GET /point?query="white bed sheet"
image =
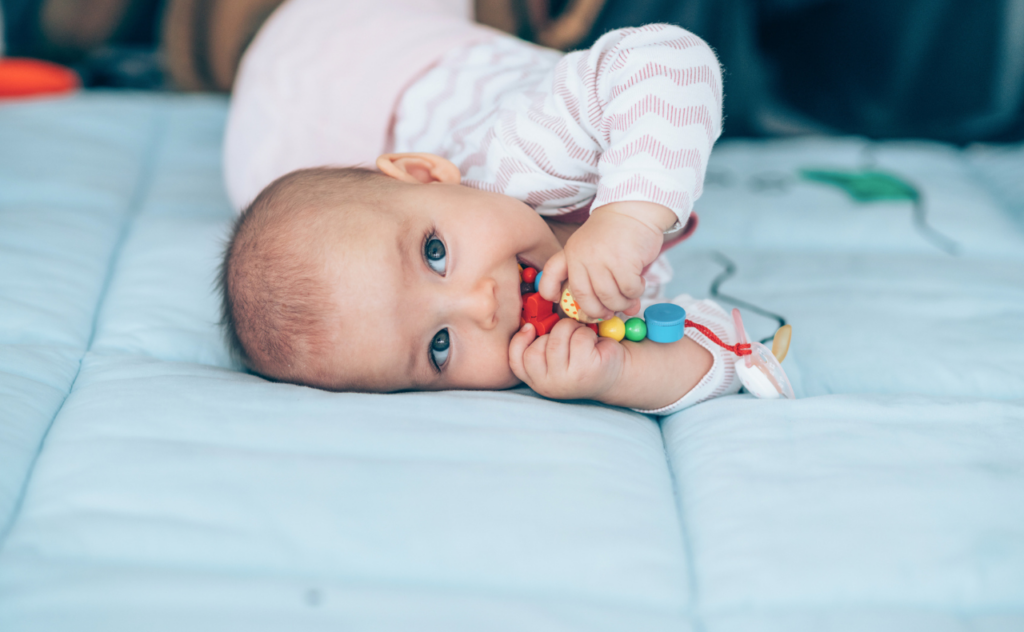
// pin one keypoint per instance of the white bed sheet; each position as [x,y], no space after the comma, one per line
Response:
[146,483]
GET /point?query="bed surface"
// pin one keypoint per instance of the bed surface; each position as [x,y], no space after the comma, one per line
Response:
[147,484]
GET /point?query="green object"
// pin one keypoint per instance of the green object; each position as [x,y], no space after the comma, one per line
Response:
[865,186]
[636,329]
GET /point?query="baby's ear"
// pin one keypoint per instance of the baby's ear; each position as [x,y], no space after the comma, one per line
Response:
[419,168]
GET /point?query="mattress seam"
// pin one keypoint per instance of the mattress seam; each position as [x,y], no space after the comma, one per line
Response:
[691,572]
[140,192]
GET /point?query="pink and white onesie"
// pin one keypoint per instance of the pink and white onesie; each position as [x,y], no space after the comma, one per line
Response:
[632,118]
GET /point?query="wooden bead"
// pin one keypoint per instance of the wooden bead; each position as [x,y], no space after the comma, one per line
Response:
[529,275]
[665,322]
[612,328]
[636,329]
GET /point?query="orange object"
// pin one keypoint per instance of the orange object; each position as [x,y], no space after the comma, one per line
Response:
[536,306]
[547,324]
[538,312]
[21,77]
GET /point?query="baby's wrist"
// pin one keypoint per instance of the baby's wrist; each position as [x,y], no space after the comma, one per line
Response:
[655,216]
[621,391]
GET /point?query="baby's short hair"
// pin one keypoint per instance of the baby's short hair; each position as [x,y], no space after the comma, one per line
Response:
[274,305]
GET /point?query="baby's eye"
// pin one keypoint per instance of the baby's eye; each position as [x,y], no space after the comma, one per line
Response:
[439,348]
[435,252]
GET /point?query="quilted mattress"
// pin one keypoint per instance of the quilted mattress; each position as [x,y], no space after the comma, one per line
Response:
[147,483]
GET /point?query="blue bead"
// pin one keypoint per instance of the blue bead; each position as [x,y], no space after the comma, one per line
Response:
[665,322]
[536,282]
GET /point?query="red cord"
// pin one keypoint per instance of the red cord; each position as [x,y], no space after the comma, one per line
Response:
[740,348]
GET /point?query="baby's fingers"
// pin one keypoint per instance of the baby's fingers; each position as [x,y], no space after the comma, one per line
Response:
[517,350]
[583,293]
[609,292]
[632,286]
[557,351]
[630,283]
[555,272]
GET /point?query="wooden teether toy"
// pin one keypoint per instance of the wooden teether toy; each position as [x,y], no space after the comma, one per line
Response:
[759,369]
[572,308]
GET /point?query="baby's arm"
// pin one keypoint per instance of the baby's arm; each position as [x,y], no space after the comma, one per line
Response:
[573,363]
[605,258]
[649,99]
[655,376]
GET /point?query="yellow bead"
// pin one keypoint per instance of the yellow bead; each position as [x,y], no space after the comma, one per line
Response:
[612,328]
[780,345]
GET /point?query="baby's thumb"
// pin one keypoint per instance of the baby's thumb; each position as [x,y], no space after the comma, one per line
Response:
[517,348]
[555,272]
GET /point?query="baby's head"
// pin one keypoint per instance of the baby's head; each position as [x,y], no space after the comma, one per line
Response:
[358,280]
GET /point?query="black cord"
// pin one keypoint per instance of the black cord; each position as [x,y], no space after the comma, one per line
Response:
[725,275]
[869,162]
[938,240]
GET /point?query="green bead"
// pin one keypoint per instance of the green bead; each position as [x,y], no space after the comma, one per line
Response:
[636,329]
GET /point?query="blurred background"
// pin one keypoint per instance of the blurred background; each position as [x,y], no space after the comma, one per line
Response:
[949,70]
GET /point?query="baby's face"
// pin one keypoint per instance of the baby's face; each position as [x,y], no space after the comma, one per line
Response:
[428,290]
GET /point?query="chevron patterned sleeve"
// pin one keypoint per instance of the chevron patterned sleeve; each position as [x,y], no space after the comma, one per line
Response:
[650,98]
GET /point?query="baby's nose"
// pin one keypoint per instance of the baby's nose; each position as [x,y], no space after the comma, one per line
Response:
[480,304]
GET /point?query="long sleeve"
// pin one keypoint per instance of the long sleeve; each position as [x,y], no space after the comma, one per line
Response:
[632,118]
[651,98]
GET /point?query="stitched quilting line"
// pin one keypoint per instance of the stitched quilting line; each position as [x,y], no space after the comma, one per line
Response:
[693,609]
[140,192]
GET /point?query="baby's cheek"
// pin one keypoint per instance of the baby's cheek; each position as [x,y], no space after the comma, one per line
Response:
[500,371]
[488,369]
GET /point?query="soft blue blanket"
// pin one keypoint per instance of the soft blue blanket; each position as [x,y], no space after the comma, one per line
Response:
[145,484]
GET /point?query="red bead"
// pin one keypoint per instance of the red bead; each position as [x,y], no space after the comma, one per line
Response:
[529,274]
[593,326]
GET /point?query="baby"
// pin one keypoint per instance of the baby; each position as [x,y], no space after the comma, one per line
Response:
[499,154]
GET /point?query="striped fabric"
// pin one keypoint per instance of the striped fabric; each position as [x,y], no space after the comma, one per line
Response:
[632,118]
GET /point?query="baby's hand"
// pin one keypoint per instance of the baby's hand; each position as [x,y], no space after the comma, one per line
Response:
[569,363]
[605,257]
